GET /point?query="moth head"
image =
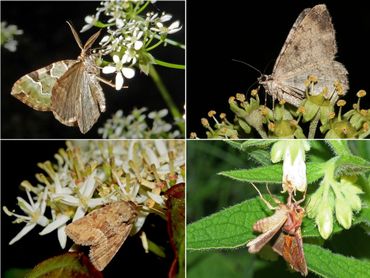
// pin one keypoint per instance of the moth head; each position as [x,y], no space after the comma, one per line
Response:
[264,78]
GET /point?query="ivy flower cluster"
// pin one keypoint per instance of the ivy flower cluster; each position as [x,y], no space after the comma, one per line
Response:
[286,121]
[131,35]
[88,174]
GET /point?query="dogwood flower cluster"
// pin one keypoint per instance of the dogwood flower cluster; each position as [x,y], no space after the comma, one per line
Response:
[88,174]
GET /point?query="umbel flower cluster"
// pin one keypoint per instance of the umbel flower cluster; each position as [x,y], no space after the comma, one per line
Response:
[88,174]
[251,118]
[131,36]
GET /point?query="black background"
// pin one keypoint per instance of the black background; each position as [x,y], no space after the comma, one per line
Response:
[254,32]
[47,39]
[19,162]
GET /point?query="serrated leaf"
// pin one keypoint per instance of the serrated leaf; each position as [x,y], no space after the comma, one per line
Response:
[232,227]
[351,165]
[272,173]
[261,156]
[327,264]
[229,228]
[66,265]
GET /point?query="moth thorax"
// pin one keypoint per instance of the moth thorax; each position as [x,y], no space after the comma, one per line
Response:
[90,64]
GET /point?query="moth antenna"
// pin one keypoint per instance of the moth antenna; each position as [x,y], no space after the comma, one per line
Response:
[276,200]
[75,35]
[263,199]
[249,65]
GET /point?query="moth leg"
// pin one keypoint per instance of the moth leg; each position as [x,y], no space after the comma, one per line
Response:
[276,200]
[108,82]
[263,199]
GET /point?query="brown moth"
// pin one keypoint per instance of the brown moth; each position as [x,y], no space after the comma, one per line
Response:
[309,49]
[104,230]
[285,226]
[68,88]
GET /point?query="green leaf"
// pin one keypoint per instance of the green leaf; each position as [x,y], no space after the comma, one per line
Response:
[340,147]
[261,156]
[327,264]
[351,165]
[66,265]
[272,173]
[229,228]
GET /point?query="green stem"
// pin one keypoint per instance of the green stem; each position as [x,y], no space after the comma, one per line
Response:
[169,41]
[313,126]
[169,65]
[166,97]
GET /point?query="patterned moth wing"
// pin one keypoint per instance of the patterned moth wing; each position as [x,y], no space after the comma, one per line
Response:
[34,89]
[68,88]
[104,230]
[309,49]
[289,243]
[268,226]
[77,97]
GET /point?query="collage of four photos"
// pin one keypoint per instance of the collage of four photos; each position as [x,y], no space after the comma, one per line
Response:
[168,139]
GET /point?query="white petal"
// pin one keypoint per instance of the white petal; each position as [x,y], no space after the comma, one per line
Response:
[62,237]
[89,19]
[109,69]
[158,199]
[166,17]
[88,188]
[174,25]
[116,59]
[61,220]
[128,72]
[138,45]
[104,39]
[119,81]
[23,232]
[80,212]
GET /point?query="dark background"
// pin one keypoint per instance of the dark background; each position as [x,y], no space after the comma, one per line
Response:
[47,39]
[19,162]
[254,32]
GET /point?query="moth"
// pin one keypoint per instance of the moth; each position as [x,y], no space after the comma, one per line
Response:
[309,49]
[283,228]
[104,230]
[68,88]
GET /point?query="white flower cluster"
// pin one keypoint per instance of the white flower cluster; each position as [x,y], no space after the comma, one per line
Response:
[139,125]
[130,35]
[89,174]
[7,36]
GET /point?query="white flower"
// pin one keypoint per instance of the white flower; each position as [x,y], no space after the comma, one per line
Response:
[35,213]
[294,165]
[173,28]
[121,71]
[90,20]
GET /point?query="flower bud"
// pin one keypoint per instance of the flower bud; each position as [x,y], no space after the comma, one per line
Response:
[324,220]
[343,212]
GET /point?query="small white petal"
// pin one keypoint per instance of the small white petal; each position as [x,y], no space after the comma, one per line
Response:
[62,237]
[104,39]
[80,212]
[138,45]
[156,198]
[61,220]
[109,69]
[116,59]
[23,232]
[166,17]
[89,19]
[119,81]
[128,72]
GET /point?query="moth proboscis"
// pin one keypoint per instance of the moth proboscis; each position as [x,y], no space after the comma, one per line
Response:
[105,230]
[68,88]
[285,226]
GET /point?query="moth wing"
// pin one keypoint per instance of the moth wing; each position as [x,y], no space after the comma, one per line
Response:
[34,89]
[293,252]
[255,245]
[90,99]
[310,49]
[103,252]
[66,94]
[265,224]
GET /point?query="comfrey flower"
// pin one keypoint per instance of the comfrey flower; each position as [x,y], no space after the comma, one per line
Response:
[131,36]
[292,152]
[89,174]
[339,196]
